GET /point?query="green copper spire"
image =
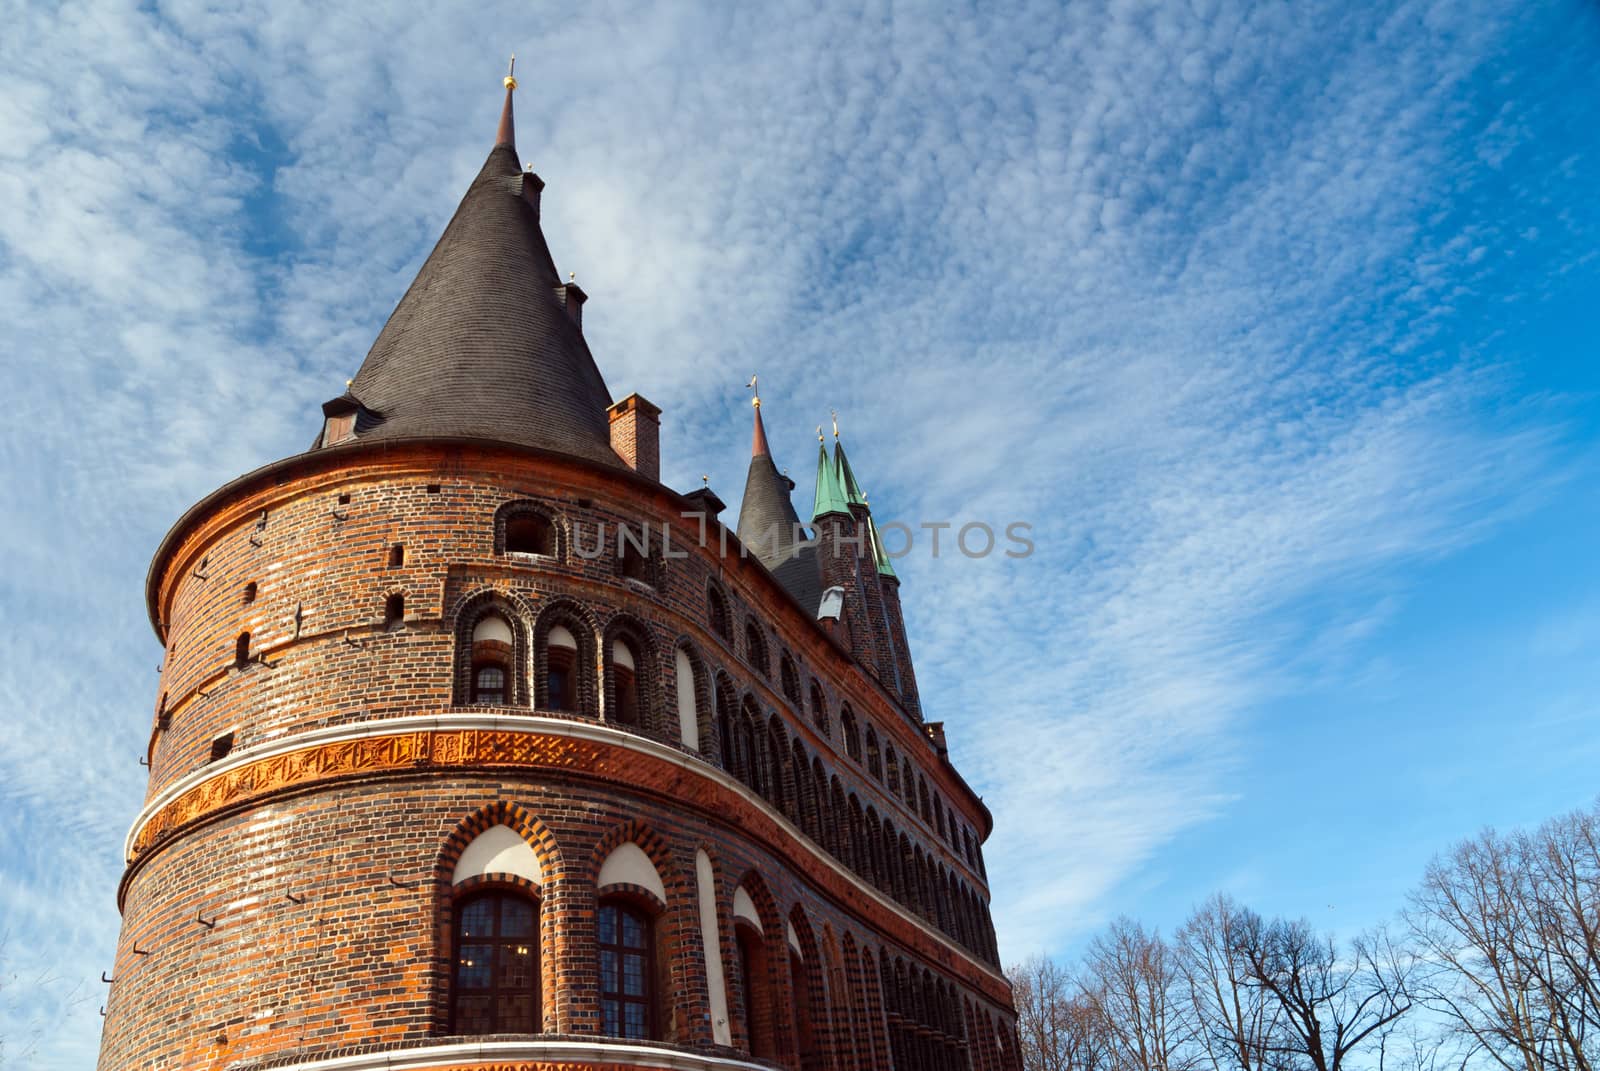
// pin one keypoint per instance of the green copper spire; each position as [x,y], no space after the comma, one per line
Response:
[830,496]
[847,479]
[884,567]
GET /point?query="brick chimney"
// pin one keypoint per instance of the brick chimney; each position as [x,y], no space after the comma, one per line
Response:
[636,432]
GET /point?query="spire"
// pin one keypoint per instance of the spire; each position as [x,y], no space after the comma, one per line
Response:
[847,478]
[885,567]
[481,345]
[758,438]
[507,134]
[830,496]
[768,526]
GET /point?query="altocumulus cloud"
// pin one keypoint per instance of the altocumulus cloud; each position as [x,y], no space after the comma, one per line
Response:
[1175,283]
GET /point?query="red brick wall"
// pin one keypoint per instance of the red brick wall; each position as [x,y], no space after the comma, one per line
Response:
[363,960]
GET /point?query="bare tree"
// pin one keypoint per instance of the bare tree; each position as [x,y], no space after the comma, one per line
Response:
[1326,1007]
[1059,1030]
[1509,927]
[1233,1018]
[1133,984]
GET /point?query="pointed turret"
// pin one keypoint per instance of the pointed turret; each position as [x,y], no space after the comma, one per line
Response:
[885,567]
[769,528]
[507,133]
[483,345]
[768,524]
[830,497]
[846,478]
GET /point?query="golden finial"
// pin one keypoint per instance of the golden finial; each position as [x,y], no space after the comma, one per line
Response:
[752,385]
[835,413]
[572,276]
[705,480]
[349,383]
[511,73]
[819,433]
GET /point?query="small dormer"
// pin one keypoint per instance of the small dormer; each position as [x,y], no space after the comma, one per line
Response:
[572,299]
[342,418]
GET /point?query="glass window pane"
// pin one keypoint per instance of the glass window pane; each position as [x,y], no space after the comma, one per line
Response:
[477,919]
[608,925]
[608,972]
[474,1015]
[632,930]
[610,1012]
[633,976]
[516,967]
[517,1015]
[473,970]
[516,917]
[637,1021]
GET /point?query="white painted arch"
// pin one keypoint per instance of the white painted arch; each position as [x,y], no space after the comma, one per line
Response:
[498,850]
[745,908]
[493,627]
[627,864]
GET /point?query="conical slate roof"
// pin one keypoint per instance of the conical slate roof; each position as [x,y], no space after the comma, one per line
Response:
[767,520]
[481,345]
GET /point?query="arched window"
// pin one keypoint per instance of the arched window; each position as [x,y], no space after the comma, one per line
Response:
[908,781]
[819,711]
[526,528]
[790,678]
[755,977]
[805,1039]
[755,647]
[852,735]
[496,988]
[633,548]
[624,685]
[530,533]
[561,669]
[752,745]
[627,970]
[717,613]
[686,672]
[727,729]
[922,795]
[492,644]
[892,767]
[874,759]
[250,593]
[241,651]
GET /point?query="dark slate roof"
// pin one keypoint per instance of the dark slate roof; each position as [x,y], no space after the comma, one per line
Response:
[480,346]
[767,507]
[801,576]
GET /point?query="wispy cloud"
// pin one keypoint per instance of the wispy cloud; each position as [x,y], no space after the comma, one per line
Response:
[1182,285]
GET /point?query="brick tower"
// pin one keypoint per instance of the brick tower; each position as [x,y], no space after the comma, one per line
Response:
[479,747]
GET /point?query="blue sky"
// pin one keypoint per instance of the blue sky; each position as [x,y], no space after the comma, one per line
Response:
[1273,320]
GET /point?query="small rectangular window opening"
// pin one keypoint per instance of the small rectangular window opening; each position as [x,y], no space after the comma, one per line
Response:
[397,556]
[221,746]
[433,489]
[344,499]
